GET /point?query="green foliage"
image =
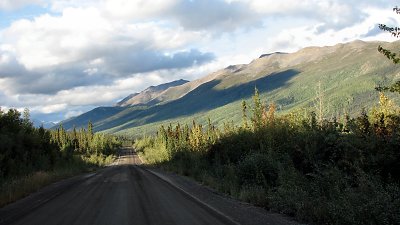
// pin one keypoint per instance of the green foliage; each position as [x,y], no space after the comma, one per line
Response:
[392,88]
[337,171]
[389,54]
[33,157]
[84,142]
[15,188]
[152,150]
[257,110]
[244,115]
[24,148]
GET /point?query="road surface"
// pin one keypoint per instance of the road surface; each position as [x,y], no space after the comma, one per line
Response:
[124,193]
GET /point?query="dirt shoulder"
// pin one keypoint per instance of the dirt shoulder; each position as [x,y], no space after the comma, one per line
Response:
[240,212]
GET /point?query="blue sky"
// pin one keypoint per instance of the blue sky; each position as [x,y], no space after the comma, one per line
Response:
[28,12]
[63,57]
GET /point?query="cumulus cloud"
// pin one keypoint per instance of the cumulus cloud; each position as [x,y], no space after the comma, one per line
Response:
[14,4]
[216,14]
[82,48]
[220,15]
[53,79]
[330,14]
[87,53]
[77,100]
[138,9]
[9,66]
[130,61]
[79,34]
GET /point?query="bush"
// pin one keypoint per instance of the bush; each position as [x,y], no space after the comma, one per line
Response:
[257,169]
[323,172]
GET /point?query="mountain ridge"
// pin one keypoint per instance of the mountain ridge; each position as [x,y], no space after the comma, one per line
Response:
[348,71]
[149,94]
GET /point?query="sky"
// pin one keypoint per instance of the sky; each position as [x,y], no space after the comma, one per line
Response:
[61,58]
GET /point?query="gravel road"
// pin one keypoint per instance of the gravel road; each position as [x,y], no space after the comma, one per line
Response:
[124,193]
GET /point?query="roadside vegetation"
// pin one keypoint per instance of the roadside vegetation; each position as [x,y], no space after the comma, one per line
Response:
[342,169]
[31,158]
[324,171]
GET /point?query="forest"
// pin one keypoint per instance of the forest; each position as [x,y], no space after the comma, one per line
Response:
[319,170]
[32,157]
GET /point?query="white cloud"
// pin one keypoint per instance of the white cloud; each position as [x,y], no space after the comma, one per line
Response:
[61,5]
[137,9]
[53,108]
[84,34]
[14,4]
[88,53]
[80,99]
[57,39]
[300,37]
[81,47]
[191,15]
[82,96]
[330,14]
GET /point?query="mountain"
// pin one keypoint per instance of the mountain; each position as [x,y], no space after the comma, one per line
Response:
[46,125]
[125,100]
[347,73]
[149,95]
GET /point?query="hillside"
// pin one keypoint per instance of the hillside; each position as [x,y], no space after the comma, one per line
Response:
[150,95]
[347,72]
[146,97]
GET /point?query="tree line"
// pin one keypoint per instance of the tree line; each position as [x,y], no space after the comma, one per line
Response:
[84,141]
[25,148]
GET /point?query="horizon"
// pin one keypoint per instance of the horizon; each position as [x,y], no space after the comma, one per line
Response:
[50,64]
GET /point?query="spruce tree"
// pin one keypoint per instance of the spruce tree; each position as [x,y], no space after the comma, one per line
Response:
[244,115]
[26,117]
[257,110]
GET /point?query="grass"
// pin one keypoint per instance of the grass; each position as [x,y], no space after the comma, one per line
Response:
[14,189]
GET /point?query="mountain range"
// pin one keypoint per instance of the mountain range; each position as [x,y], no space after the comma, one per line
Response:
[345,75]
[150,96]
[44,124]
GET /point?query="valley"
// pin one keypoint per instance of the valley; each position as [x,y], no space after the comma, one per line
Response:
[347,74]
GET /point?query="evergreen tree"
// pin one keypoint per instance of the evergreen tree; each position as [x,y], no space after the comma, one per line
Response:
[75,142]
[257,110]
[90,131]
[244,115]
[26,117]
